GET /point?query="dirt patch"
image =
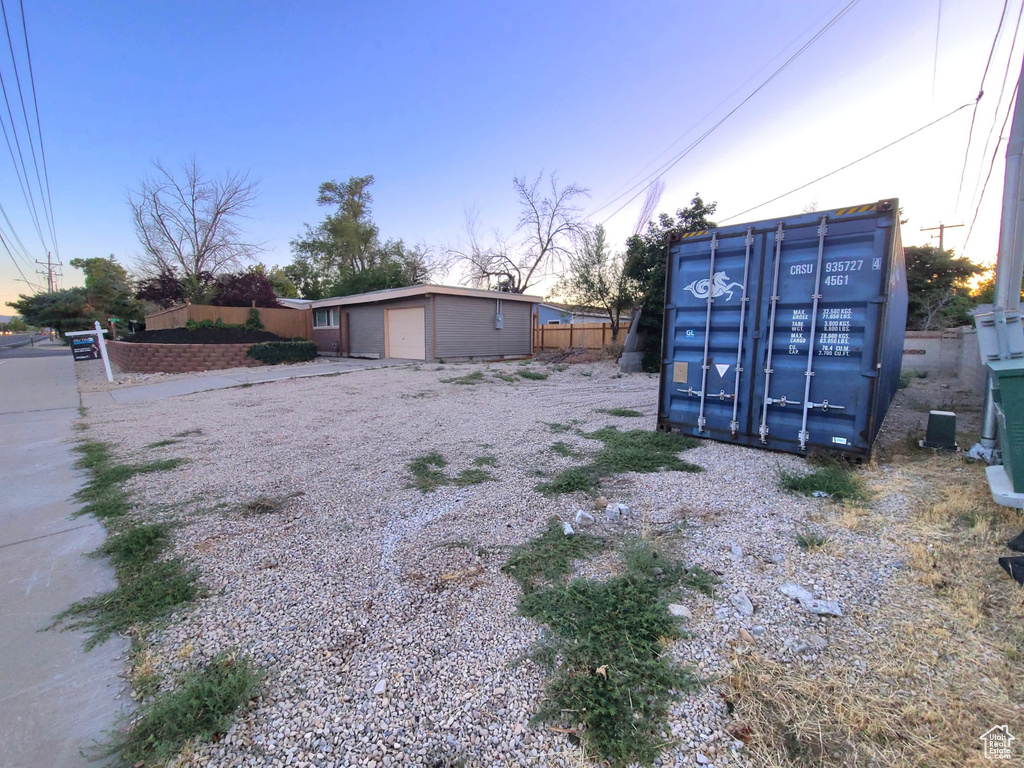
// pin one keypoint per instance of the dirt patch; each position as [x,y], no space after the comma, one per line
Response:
[202,336]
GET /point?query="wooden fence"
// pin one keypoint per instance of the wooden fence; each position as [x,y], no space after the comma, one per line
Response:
[289,323]
[572,336]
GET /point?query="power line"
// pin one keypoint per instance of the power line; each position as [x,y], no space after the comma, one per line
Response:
[666,167]
[39,131]
[28,129]
[981,90]
[713,109]
[848,165]
[999,101]
[995,154]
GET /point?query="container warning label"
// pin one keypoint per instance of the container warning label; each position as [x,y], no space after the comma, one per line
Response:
[679,372]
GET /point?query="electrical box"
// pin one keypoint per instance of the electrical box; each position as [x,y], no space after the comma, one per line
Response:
[499,321]
[1008,397]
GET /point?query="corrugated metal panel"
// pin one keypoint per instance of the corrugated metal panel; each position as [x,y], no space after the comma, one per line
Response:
[786,334]
[466,327]
[366,331]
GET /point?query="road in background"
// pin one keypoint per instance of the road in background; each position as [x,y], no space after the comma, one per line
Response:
[55,699]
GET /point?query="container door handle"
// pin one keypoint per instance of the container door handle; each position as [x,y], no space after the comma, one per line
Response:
[707,331]
[780,235]
[734,425]
[815,298]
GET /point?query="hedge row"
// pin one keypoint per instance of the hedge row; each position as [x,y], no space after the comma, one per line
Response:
[275,352]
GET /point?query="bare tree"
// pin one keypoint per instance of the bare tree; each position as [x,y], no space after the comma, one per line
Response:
[654,192]
[189,225]
[550,225]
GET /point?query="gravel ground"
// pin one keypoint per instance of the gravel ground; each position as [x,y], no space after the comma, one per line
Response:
[389,632]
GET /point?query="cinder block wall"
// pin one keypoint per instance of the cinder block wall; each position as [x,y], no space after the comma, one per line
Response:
[179,358]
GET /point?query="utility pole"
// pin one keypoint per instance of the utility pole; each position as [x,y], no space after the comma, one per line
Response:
[942,229]
[50,267]
[1010,262]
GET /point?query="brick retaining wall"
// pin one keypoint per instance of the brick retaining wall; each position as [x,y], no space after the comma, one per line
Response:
[179,358]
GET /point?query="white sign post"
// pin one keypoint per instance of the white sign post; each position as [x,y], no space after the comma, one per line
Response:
[103,350]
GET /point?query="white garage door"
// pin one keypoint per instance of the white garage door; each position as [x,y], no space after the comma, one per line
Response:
[406,336]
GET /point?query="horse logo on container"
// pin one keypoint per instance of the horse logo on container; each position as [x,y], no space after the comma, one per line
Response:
[717,285]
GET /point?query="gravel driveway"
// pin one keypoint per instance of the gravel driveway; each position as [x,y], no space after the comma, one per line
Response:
[389,632]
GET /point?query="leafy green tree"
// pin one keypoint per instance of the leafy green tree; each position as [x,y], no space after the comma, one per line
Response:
[344,250]
[108,290]
[61,310]
[938,283]
[596,278]
[16,325]
[646,255]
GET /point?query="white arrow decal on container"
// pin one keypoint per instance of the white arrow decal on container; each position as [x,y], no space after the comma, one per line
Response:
[722,369]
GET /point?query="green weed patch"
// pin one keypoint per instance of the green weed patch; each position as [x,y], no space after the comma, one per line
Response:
[469,379]
[428,473]
[533,375]
[619,412]
[569,481]
[200,707]
[838,480]
[605,645]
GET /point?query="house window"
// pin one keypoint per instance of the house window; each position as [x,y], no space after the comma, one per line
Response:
[325,318]
[554,322]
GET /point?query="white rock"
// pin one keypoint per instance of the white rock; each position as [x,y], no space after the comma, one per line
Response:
[581,515]
[742,603]
[796,592]
[702,758]
[380,687]
[679,611]
[822,607]
[736,551]
[567,529]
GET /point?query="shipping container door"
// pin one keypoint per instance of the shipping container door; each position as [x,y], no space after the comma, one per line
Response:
[821,302]
[707,378]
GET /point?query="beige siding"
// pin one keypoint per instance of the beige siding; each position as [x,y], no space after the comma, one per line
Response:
[465,327]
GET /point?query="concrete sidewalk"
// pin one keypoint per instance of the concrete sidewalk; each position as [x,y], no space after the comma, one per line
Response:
[55,699]
[189,385]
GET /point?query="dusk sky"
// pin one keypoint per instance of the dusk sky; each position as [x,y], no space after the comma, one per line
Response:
[445,102]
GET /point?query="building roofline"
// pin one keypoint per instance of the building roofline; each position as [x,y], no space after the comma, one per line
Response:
[390,294]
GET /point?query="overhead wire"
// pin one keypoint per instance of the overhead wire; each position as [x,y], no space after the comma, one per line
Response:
[39,132]
[977,100]
[28,129]
[713,110]
[667,166]
[848,165]
[992,165]
[999,101]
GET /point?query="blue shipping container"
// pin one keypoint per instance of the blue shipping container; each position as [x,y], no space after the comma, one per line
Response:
[788,333]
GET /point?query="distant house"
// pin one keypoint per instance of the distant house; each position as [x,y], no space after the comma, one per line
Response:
[549,313]
[425,322]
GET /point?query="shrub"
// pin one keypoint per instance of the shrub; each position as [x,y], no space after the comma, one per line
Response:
[254,323]
[276,352]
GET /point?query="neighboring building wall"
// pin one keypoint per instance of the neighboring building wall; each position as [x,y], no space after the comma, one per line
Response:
[179,358]
[950,354]
[327,340]
[465,327]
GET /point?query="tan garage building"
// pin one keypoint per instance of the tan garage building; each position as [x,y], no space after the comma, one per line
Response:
[425,322]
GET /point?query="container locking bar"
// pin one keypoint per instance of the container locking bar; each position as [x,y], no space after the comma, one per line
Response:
[815,298]
[782,402]
[780,235]
[707,332]
[734,425]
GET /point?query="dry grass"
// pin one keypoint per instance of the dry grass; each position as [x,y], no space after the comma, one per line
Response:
[944,664]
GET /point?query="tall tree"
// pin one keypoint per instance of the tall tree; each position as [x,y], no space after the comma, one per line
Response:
[189,224]
[61,310]
[596,278]
[108,290]
[938,283]
[550,227]
[343,254]
[646,255]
